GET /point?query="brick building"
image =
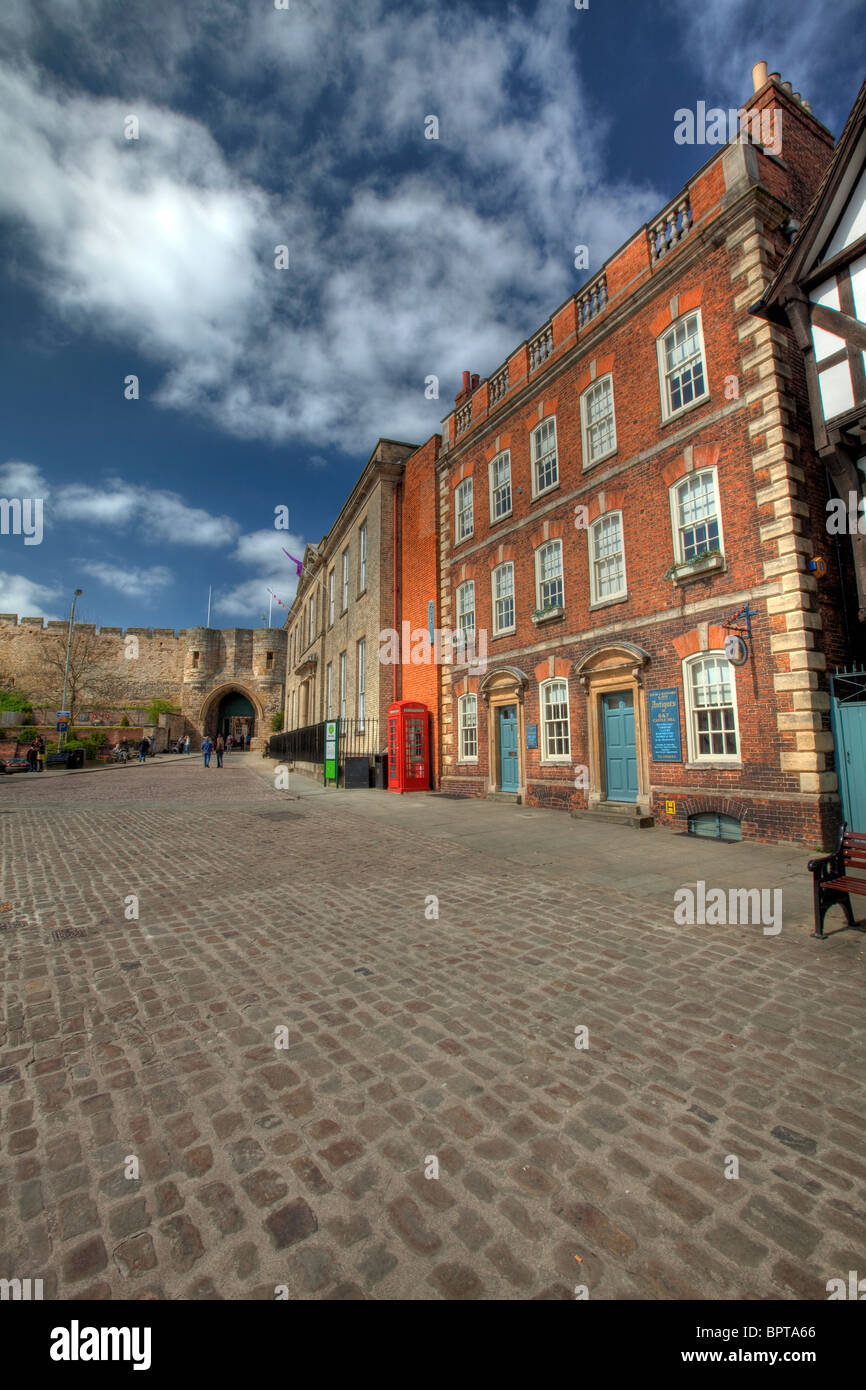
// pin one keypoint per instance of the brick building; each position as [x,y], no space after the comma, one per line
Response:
[374,571]
[614,496]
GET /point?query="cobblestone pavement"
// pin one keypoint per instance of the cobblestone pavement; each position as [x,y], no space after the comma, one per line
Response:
[410,1038]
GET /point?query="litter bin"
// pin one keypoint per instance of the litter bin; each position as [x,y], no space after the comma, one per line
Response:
[380,771]
[75,758]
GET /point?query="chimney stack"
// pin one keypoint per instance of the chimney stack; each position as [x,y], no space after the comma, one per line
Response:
[465,381]
[759,76]
[475,381]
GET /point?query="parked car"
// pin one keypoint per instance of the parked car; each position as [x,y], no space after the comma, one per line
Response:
[11,765]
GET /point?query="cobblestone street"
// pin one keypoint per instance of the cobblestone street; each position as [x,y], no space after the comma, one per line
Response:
[410,1038]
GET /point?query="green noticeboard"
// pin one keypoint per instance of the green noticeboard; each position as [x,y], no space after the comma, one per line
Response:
[332,743]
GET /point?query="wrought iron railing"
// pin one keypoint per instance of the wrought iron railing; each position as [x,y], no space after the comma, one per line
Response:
[359,738]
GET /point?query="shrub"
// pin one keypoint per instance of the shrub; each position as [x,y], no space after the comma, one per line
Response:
[14,700]
[277,722]
[124,723]
[158,707]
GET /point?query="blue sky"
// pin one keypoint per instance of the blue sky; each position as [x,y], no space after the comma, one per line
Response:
[408,257]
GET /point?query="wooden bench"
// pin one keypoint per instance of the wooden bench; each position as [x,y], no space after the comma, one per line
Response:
[837,876]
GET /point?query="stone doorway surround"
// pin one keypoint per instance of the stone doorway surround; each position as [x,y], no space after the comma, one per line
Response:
[606,668]
[504,686]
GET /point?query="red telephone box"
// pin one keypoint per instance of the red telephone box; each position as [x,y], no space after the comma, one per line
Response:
[408,747]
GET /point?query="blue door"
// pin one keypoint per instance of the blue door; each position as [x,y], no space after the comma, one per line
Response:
[620,753]
[509,762]
[851,763]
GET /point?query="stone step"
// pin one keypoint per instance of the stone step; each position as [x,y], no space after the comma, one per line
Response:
[626,814]
[510,797]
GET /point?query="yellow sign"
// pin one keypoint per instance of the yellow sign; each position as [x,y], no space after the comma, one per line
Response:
[670,808]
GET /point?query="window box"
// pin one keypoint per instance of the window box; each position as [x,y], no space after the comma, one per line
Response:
[545,615]
[708,563]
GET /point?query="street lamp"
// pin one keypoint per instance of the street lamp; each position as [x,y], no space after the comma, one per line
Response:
[68,655]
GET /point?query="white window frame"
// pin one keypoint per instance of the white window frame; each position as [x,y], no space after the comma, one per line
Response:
[504,457]
[331,591]
[463,490]
[461,642]
[546,756]
[329,689]
[345,580]
[692,709]
[539,603]
[464,704]
[670,412]
[497,599]
[361,695]
[343,683]
[589,458]
[678,528]
[596,529]
[362,563]
[542,428]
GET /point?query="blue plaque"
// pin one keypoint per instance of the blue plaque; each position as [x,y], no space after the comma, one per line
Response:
[532,735]
[664,717]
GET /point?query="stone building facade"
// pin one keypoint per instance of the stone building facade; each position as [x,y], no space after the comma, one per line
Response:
[612,499]
[210,675]
[374,571]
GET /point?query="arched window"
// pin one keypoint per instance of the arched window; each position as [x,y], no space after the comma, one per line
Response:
[503,598]
[606,558]
[711,704]
[549,591]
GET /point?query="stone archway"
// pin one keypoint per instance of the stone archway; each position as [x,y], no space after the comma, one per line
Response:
[231,708]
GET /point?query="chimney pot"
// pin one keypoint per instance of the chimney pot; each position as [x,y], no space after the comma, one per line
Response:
[759,76]
[465,381]
[775,77]
[786,87]
[807,106]
[475,380]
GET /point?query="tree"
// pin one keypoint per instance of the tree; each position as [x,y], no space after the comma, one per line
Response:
[277,722]
[158,707]
[84,666]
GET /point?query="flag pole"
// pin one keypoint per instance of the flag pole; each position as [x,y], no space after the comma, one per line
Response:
[270,606]
[209,587]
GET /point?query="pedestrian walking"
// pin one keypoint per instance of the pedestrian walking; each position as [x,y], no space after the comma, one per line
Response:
[186,744]
[248,743]
[33,755]
[229,742]
[207,749]
[220,749]
[40,753]
[143,746]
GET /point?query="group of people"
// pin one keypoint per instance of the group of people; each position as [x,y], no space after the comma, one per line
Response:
[221,746]
[36,754]
[182,745]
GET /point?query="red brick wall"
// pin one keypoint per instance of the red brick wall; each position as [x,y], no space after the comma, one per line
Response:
[418,576]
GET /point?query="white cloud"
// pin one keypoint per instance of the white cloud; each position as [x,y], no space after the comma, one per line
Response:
[156,513]
[407,257]
[26,598]
[19,479]
[274,574]
[132,583]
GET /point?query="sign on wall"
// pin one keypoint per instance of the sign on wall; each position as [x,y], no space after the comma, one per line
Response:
[332,733]
[664,719]
[532,735]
